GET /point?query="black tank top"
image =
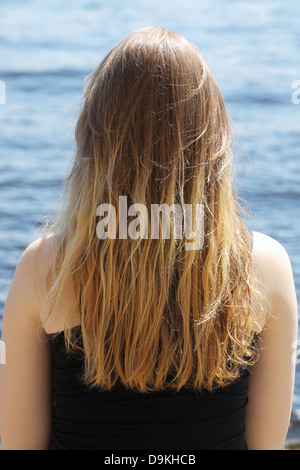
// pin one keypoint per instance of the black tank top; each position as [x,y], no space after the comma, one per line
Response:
[122,419]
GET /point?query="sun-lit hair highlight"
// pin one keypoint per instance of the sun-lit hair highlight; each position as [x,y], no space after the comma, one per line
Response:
[153,126]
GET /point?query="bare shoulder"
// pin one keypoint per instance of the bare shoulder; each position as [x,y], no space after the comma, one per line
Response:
[271,380]
[39,251]
[274,272]
[32,270]
[38,255]
[26,423]
[271,259]
[263,243]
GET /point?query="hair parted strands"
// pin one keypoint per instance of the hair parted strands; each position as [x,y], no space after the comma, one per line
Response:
[154,127]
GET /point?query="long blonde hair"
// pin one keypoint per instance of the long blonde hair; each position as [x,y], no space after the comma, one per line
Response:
[153,126]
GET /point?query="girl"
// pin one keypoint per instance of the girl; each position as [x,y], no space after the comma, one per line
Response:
[138,342]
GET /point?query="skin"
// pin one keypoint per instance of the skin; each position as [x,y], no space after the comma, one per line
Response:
[271,381]
[25,381]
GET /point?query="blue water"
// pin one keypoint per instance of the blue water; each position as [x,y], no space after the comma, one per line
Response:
[46,50]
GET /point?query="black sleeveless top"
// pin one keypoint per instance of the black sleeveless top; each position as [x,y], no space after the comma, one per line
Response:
[90,419]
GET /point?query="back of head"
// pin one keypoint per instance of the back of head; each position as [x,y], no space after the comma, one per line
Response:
[154,128]
[153,112]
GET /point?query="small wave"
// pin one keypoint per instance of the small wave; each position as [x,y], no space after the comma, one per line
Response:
[257,99]
[44,73]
